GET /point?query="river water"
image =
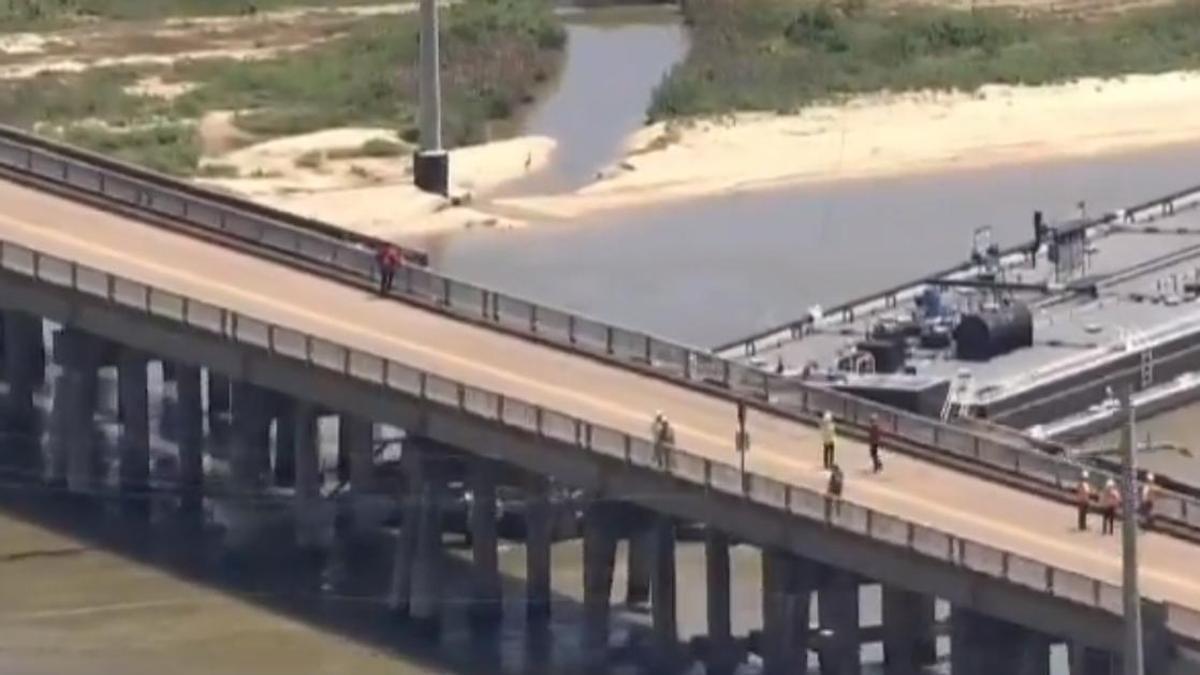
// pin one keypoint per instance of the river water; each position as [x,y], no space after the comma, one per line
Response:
[88,589]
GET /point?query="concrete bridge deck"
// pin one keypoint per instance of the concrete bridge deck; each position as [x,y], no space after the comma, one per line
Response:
[924,493]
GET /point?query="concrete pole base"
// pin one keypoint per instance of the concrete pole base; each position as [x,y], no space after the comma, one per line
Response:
[431,171]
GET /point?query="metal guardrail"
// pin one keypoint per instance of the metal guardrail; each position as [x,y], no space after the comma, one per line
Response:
[95,177]
[618,446]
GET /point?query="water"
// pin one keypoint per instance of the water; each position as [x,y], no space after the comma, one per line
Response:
[716,269]
[1177,427]
[614,59]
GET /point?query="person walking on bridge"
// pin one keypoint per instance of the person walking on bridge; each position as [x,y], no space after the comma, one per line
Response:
[663,436]
[833,492]
[1083,500]
[874,437]
[828,437]
[387,257]
[1146,500]
[1110,500]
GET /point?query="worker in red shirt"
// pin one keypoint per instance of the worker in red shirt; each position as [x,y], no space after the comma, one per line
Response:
[874,437]
[388,259]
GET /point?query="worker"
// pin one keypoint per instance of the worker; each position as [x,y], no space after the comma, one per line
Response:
[828,436]
[834,490]
[388,259]
[874,436]
[1083,499]
[1110,499]
[1146,500]
[663,436]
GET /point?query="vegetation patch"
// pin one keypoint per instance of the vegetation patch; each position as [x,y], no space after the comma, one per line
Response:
[780,55]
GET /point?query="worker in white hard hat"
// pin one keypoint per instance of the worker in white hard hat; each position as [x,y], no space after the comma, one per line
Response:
[828,437]
[1110,500]
[1146,500]
[663,437]
[1083,499]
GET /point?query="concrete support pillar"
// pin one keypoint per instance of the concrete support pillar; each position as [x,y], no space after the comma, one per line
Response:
[425,595]
[134,404]
[24,367]
[73,456]
[599,556]
[303,424]
[356,441]
[837,604]
[909,642]
[220,398]
[283,463]
[251,437]
[982,645]
[639,566]
[662,589]
[787,595]
[539,520]
[189,419]
[400,594]
[486,604]
[1091,661]
[720,631]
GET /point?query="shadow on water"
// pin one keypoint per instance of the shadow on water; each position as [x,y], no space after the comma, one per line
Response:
[341,590]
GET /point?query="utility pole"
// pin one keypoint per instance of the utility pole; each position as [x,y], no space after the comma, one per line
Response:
[431,165]
[1134,661]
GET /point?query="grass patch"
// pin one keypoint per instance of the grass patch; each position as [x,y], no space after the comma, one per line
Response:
[780,55]
[28,14]
[169,148]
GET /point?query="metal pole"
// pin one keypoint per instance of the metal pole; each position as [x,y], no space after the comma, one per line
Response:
[1129,562]
[431,84]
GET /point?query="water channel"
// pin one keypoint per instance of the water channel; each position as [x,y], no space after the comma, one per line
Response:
[86,590]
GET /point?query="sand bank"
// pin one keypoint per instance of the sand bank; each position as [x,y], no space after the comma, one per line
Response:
[887,135]
[324,175]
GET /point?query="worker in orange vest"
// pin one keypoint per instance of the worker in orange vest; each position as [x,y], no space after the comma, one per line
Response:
[1083,500]
[1110,499]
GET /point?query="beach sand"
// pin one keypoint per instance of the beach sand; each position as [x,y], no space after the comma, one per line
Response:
[886,135]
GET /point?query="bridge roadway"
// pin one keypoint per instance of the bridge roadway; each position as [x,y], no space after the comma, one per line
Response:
[925,493]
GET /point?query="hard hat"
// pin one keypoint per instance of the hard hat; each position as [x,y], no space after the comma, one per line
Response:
[1084,474]
[658,413]
[1149,478]
[1110,483]
[828,415]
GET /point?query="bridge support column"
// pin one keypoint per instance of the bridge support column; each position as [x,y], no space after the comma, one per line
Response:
[662,588]
[721,658]
[356,439]
[487,604]
[909,642]
[837,605]
[251,437]
[284,461]
[1091,661]
[73,458]
[24,367]
[220,398]
[788,583]
[189,420]
[303,422]
[599,555]
[639,562]
[982,645]
[425,595]
[400,594]
[539,521]
[134,404]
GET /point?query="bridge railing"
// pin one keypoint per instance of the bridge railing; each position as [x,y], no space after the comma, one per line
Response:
[523,417]
[97,177]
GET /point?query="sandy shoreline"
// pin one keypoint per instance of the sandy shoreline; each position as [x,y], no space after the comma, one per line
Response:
[865,138]
[887,135]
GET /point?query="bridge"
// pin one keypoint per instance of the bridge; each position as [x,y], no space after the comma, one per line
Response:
[129,267]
